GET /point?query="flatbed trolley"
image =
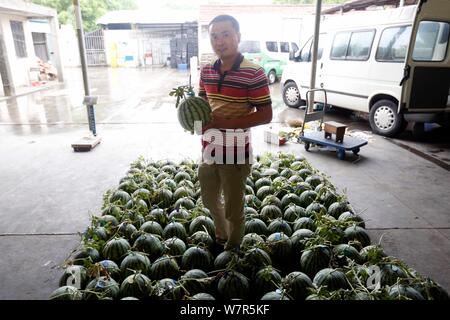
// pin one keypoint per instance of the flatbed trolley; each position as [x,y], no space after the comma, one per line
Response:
[341,143]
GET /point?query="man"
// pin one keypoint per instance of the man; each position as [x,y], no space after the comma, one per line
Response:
[238,93]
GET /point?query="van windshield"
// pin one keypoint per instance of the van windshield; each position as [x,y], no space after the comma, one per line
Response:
[249,47]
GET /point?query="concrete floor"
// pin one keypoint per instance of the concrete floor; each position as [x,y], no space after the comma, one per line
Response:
[48,192]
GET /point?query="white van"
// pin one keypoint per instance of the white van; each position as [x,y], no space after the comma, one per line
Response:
[366,64]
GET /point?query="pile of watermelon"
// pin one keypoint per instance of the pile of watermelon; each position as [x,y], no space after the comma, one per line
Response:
[155,240]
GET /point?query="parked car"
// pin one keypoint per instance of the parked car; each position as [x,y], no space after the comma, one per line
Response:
[272,56]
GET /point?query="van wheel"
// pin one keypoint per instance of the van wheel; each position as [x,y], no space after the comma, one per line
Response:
[291,95]
[384,118]
[272,77]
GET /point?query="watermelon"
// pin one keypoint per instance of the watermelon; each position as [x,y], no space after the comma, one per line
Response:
[142,194]
[255,259]
[332,279]
[315,259]
[250,240]
[201,238]
[252,201]
[179,215]
[263,192]
[271,200]
[403,292]
[126,229]
[152,227]
[224,259]
[119,197]
[185,202]
[343,251]
[107,220]
[175,246]
[136,285]
[255,225]
[250,212]
[265,181]
[202,296]
[271,212]
[86,254]
[295,178]
[110,269]
[163,198]
[279,225]
[355,233]
[164,267]
[314,180]
[149,244]
[390,273]
[307,197]
[183,192]
[134,262]
[194,281]
[304,223]
[338,208]
[128,186]
[297,285]
[275,295]
[290,198]
[66,293]
[168,183]
[301,187]
[180,176]
[175,229]
[159,215]
[266,279]
[196,258]
[191,110]
[233,285]
[287,172]
[315,207]
[280,248]
[293,212]
[201,223]
[304,173]
[350,216]
[298,238]
[102,288]
[115,249]
[169,169]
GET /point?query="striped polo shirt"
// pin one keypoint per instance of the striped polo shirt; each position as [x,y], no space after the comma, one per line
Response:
[233,94]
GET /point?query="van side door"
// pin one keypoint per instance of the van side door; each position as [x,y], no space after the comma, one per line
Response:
[426,82]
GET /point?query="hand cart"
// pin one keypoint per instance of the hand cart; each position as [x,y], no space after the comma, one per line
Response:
[320,138]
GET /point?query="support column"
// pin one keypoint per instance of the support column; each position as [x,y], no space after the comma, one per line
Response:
[5,70]
[56,53]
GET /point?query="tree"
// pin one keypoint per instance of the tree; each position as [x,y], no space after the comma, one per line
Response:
[91,10]
[308,1]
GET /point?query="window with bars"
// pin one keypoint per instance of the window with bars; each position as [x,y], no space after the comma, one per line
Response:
[19,38]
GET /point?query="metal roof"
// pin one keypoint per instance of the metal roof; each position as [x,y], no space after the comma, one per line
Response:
[145,17]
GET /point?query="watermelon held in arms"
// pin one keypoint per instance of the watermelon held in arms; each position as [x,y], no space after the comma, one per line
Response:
[191,109]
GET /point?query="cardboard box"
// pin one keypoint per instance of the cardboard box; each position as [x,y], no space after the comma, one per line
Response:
[272,136]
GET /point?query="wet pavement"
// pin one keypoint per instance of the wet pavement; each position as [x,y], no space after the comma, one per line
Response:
[48,192]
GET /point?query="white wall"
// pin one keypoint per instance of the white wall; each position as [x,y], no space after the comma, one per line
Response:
[70,54]
[119,44]
[20,67]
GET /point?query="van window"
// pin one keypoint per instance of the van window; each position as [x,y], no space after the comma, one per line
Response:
[284,46]
[431,41]
[393,44]
[272,46]
[340,45]
[249,47]
[306,51]
[294,46]
[354,45]
[360,44]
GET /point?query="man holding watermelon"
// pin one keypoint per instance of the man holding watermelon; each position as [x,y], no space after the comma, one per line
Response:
[238,93]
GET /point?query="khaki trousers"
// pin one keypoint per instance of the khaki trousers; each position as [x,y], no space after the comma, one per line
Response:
[227,212]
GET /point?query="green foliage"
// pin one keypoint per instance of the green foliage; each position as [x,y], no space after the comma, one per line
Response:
[91,10]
